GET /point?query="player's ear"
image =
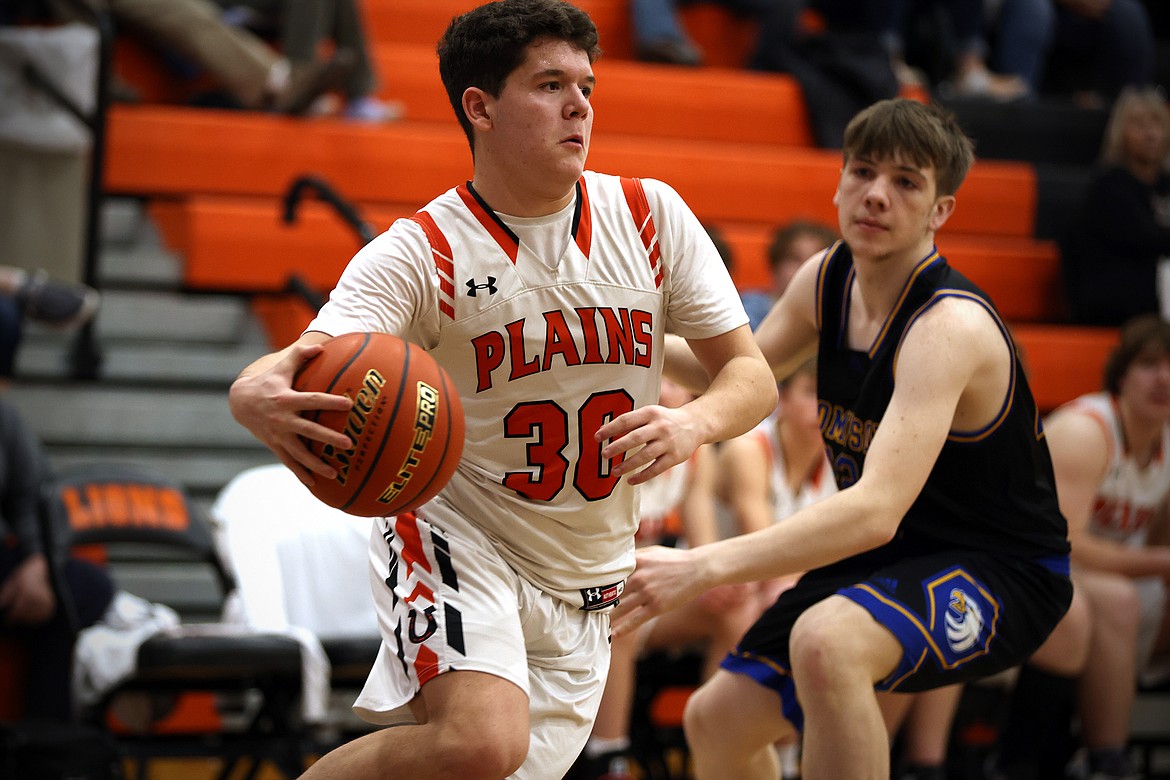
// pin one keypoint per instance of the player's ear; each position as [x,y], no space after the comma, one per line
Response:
[944,206]
[477,106]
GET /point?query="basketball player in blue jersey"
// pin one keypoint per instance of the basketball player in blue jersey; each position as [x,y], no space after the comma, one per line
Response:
[944,556]
[545,291]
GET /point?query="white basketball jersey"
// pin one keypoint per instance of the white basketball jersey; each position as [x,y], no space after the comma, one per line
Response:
[1129,494]
[785,501]
[660,501]
[544,350]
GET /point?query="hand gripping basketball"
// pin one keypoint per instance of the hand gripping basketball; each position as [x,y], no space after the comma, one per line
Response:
[406,423]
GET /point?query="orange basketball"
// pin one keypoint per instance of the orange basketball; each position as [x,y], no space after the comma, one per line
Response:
[406,423]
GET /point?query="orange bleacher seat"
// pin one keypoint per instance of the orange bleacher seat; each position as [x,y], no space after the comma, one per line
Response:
[1063,361]
[173,151]
[636,99]
[242,244]
[424,21]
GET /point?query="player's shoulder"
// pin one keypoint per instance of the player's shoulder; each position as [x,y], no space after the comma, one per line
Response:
[959,314]
[1087,418]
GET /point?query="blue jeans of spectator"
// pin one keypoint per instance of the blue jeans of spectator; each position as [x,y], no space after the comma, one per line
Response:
[1024,31]
[655,21]
[1123,42]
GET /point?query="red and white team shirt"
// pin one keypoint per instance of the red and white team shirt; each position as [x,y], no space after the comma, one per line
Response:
[546,339]
[786,501]
[1129,495]
[660,503]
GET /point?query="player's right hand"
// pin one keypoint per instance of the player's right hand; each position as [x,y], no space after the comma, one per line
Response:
[263,400]
[663,578]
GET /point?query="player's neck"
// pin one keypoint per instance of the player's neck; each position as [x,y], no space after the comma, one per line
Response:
[881,278]
[509,194]
[1142,436]
[803,450]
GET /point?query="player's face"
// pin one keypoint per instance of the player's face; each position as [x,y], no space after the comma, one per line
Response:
[1145,386]
[798,403]
[802,248]
[542,120]
[889,208]
[1144,138]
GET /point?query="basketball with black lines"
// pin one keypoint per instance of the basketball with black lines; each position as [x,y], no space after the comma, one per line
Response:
[406,423]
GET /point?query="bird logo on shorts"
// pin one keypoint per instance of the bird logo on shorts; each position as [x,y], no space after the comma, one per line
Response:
[964,622]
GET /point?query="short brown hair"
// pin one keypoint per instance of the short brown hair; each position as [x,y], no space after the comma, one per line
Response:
[482,47]
[1137,335]
[926,134]
[787,235]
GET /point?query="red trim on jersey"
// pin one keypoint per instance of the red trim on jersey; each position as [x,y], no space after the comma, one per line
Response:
[426,665]
[583,227]
[769,451]
[406,527]
[644,221]
[441,254]
[491,223]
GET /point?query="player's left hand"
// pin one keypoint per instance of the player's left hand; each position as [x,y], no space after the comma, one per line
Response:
[653,438]
[664,578]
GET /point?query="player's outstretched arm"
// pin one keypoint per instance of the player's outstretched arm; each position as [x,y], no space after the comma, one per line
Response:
[933,373]
[263,401]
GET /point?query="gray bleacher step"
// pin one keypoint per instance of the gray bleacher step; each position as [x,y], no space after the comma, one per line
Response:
[124,362]
[123,221]
[88,414]
[133,253]
[173,316]
[143,266]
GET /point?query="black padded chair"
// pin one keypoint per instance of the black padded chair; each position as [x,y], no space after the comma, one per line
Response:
[146,529]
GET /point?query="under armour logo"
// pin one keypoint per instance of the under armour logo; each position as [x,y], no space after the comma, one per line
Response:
[415,636]
[472,287]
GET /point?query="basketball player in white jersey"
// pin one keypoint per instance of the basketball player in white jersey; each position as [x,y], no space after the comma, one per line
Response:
[778,467]
[1111,456]
[678,506]
[545,291]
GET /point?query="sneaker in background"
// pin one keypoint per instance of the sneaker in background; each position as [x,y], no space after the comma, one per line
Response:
[308,81]
[57,304]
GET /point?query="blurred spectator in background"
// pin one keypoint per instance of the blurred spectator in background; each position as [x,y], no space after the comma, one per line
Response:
[659,35]
[963,70]
[1113,479]
[34,296]
[792,243]
[255,75]
[301,27]
[29,607]
[1110,254]
[1099,48]
[676,507]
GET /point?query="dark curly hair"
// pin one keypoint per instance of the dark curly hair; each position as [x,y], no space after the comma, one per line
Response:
[483,46]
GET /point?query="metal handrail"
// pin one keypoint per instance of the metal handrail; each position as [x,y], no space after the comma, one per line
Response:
[325,192]
[348,211]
